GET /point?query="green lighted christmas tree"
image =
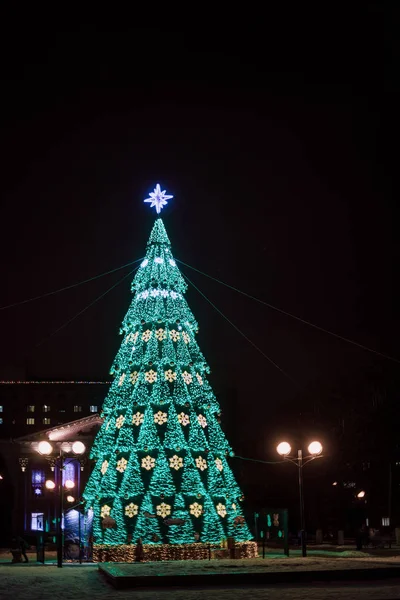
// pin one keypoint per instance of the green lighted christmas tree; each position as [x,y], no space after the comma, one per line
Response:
[161,472]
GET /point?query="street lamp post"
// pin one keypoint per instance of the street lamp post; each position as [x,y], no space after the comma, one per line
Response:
[45,449]
[314,449]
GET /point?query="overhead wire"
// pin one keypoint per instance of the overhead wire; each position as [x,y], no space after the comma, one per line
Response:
[243,334]
[292,316]
[68,287]
[85,309]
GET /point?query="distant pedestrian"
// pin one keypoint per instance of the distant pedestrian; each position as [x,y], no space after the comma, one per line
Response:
[23,546]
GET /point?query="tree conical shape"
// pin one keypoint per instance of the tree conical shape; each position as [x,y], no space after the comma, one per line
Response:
[160,453]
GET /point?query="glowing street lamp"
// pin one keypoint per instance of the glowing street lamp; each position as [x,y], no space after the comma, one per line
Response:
[284,449]
[361,494]
[78,448]
[314,449]
[45,449]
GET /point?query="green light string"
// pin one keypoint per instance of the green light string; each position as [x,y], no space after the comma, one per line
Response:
[243,334]
[68,287]
[284,312]
[86,307]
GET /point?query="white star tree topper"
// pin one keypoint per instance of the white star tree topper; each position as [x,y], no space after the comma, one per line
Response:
[158,198]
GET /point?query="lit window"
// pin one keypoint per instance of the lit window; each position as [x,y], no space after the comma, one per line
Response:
[30,421]
[30,408]
[77,408]
[1,421]
[1,408]
[385,521]
[46,421]
[38,477]
[37,521]
[93,408]
[68,472]
[46,408]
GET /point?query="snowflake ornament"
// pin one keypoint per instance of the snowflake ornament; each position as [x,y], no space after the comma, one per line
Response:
[173,334]
[170,375]
[183,419]
[104,467]
[121,465]
[218,464]
[105,511]
[151,376]
[137,418]
[122,379]
[154,293]
[187,378]
[221,509]
[158,198]
[202,421]
[163,510]
[199,378]
[131,337]
[131,510]
[173,295]
[148,462]
[196,509]
[160,418]
[201,463]
[161,334]
[164,293]
[176,462]
[185,337]
[134,377]
[120,421]
[145,294]
[146,335]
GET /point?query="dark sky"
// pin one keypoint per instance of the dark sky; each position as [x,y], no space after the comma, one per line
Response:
[271,137]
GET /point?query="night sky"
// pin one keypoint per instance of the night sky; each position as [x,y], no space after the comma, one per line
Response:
[271,136]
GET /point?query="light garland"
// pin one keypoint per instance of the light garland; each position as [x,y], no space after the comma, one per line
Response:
[156,552]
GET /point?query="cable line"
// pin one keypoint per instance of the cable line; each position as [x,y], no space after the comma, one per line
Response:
[243,334]
[86,308]
[284,312]
[68,287]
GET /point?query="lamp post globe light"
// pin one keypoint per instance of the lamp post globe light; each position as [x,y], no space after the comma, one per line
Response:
[46,449]
[315,450]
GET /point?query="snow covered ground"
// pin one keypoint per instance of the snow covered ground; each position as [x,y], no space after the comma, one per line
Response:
[33,582]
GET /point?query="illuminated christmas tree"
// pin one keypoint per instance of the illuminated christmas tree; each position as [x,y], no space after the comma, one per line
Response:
[161,470]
